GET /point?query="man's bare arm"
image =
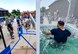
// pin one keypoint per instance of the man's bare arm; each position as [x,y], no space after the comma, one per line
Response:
[47,32]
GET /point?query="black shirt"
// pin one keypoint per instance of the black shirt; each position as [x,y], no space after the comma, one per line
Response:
[60,35]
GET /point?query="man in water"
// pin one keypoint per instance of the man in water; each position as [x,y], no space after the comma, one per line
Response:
[60,33]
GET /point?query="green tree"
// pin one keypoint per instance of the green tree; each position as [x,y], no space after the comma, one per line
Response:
[15,12]
[18,12]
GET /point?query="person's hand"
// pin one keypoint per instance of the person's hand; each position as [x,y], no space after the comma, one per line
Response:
[43,32]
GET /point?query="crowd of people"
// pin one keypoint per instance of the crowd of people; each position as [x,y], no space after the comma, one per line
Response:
[23,20]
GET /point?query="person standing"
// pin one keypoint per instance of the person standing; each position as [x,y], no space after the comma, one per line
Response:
[10,27]
[0,28]
[18,20]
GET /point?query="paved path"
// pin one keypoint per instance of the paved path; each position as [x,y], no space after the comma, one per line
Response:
[22,43]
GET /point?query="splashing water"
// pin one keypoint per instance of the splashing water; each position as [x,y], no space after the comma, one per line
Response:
[70,47]
[45,20]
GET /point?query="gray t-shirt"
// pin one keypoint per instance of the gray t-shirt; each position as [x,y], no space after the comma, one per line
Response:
[7,21]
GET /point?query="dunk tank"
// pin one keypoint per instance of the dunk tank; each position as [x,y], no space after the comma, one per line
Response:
[48,21]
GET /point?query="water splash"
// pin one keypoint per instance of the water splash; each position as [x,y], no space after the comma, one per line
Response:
[46,48]
[45,20]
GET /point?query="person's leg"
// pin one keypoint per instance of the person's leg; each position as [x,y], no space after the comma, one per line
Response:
[28,26]
[0,35]
[8,27]
[12,36]
[11,31]
[18,23]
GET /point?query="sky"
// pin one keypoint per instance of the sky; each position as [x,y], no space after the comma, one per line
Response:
[46,3]
[22,5]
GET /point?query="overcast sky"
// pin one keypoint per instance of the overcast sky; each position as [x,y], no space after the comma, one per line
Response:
[18,4]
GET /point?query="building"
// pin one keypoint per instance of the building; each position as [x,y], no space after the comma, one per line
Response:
[67,10]
[3,12]
[60,7]
[74,8]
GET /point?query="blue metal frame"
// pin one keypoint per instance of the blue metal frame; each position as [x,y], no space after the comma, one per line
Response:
[28,42]
[20,32]
[13,46]
[5,51]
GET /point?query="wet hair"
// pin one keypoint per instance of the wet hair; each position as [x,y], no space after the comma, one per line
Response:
[61,23]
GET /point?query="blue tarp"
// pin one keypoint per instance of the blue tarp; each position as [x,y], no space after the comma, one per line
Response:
[5,51]
[2,19]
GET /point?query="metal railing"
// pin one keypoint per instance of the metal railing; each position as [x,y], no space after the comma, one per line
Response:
[8,50]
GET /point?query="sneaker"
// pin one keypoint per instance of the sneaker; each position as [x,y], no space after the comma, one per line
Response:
[12,37]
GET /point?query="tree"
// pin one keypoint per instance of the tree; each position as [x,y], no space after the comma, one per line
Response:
[18,12]
[15,12]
